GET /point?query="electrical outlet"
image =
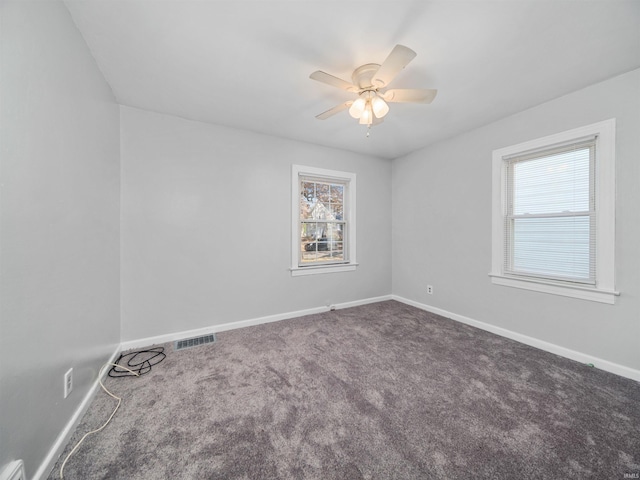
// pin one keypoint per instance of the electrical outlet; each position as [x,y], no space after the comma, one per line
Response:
[430,289]
[68,382]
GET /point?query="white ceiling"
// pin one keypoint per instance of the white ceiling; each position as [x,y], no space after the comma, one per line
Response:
[246,64]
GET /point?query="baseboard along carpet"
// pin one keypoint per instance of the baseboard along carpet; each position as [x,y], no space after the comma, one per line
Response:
[380,391]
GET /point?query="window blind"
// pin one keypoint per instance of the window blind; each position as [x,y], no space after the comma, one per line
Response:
[550,216]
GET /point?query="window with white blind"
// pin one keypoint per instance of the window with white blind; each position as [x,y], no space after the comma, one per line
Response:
[554,212]
[323,221]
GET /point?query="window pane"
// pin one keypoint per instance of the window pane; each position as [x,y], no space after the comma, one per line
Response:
[308,191]
[323,192]
[318,257]
[307,199]
[305,209]
[321,201]
[336,212]
[321,232]
[552,184]
[320,211]
[337,256]
[319,252]
[557,247]
[337,194]
[321,242]
[334,232]
[310,231]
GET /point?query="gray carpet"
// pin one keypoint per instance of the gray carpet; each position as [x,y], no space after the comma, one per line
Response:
[382,391]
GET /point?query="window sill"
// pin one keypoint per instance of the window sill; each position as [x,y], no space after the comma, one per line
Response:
[319,269]
[574,291]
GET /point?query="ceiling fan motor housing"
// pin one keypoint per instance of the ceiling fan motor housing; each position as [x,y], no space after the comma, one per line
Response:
[363,76]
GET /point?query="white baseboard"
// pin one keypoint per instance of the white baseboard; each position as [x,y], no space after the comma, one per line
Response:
[65,435]
[13,471]
[170,337]
[606,365]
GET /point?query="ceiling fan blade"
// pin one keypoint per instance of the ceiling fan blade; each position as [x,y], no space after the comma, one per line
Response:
[399,58]
[333,81]
[410,95]
[334,110]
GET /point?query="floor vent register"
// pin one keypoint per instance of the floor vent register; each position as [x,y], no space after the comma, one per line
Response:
[194,342]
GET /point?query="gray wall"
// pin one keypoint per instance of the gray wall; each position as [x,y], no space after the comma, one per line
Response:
[60,226]
[442,227]
[206,226]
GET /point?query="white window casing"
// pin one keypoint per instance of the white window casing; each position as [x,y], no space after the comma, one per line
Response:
[344,258]
[583,269]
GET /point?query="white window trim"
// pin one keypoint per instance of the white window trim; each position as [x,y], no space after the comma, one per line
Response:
[604,289]
[349,213]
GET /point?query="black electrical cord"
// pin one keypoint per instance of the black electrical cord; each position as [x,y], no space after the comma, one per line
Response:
[139,362]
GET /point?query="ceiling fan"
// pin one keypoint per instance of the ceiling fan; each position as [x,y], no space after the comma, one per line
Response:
[370,82]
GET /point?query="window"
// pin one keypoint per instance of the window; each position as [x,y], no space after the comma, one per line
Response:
[550,213]
[323,224]
[553,214]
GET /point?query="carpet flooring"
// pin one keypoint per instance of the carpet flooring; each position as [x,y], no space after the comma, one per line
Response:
[381,391]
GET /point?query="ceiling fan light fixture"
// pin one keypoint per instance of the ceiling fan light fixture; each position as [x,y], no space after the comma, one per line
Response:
[367,115]
[380,107]
[357,108]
